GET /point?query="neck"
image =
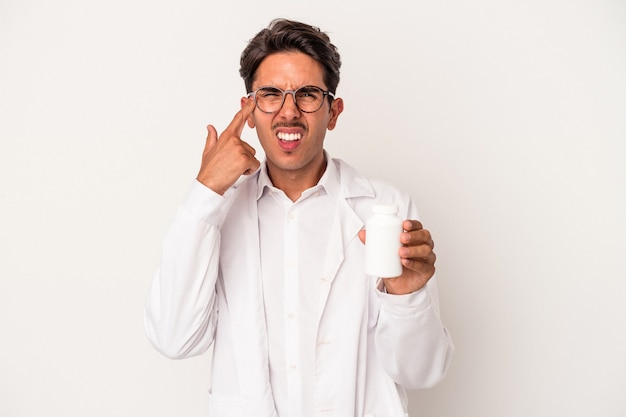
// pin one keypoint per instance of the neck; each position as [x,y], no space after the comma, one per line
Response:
[294,182]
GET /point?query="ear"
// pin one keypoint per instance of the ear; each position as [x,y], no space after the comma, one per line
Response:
[335,110]
[250,120]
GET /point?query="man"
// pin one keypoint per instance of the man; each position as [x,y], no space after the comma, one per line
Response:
[268,267]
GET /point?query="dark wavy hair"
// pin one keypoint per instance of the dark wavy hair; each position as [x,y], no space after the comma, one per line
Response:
[284,35]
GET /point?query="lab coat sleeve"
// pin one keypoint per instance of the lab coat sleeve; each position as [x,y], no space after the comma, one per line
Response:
[181,309]
[413,345]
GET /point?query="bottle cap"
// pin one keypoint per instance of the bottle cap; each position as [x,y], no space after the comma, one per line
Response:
[390,208]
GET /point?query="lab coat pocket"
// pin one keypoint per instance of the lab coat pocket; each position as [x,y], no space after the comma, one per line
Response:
[225,406]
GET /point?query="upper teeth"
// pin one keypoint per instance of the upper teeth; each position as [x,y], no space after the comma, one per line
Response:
[289,136]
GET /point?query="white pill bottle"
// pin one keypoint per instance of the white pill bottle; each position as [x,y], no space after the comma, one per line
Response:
[382,242]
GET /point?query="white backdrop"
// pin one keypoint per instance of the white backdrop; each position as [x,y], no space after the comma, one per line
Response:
[505,120]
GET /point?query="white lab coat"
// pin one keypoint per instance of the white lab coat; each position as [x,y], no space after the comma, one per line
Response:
[208,290]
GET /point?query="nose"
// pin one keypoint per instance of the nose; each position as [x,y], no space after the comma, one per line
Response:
[290,110]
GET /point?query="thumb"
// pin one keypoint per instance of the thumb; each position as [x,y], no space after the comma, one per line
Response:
[362,235]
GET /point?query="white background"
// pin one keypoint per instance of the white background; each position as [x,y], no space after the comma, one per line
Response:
[504,119]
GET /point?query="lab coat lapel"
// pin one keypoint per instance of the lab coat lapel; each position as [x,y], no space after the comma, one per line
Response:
[344,230]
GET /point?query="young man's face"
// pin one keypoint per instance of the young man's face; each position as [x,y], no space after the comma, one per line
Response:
[293,140]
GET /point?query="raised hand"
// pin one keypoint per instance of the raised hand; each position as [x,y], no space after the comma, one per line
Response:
[226,158]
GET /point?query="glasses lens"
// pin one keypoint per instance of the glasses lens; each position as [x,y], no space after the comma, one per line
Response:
[309,99]
[269,99]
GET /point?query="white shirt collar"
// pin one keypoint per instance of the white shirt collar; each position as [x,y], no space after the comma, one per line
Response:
[329,182]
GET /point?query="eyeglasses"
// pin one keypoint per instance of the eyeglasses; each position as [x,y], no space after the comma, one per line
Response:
[308,99]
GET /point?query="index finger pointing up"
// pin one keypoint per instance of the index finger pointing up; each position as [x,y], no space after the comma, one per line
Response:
[239,121]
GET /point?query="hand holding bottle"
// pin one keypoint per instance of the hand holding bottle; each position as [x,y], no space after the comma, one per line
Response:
[416,256]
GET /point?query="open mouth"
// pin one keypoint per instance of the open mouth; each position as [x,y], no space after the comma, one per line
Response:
[289,137]
[289,141]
